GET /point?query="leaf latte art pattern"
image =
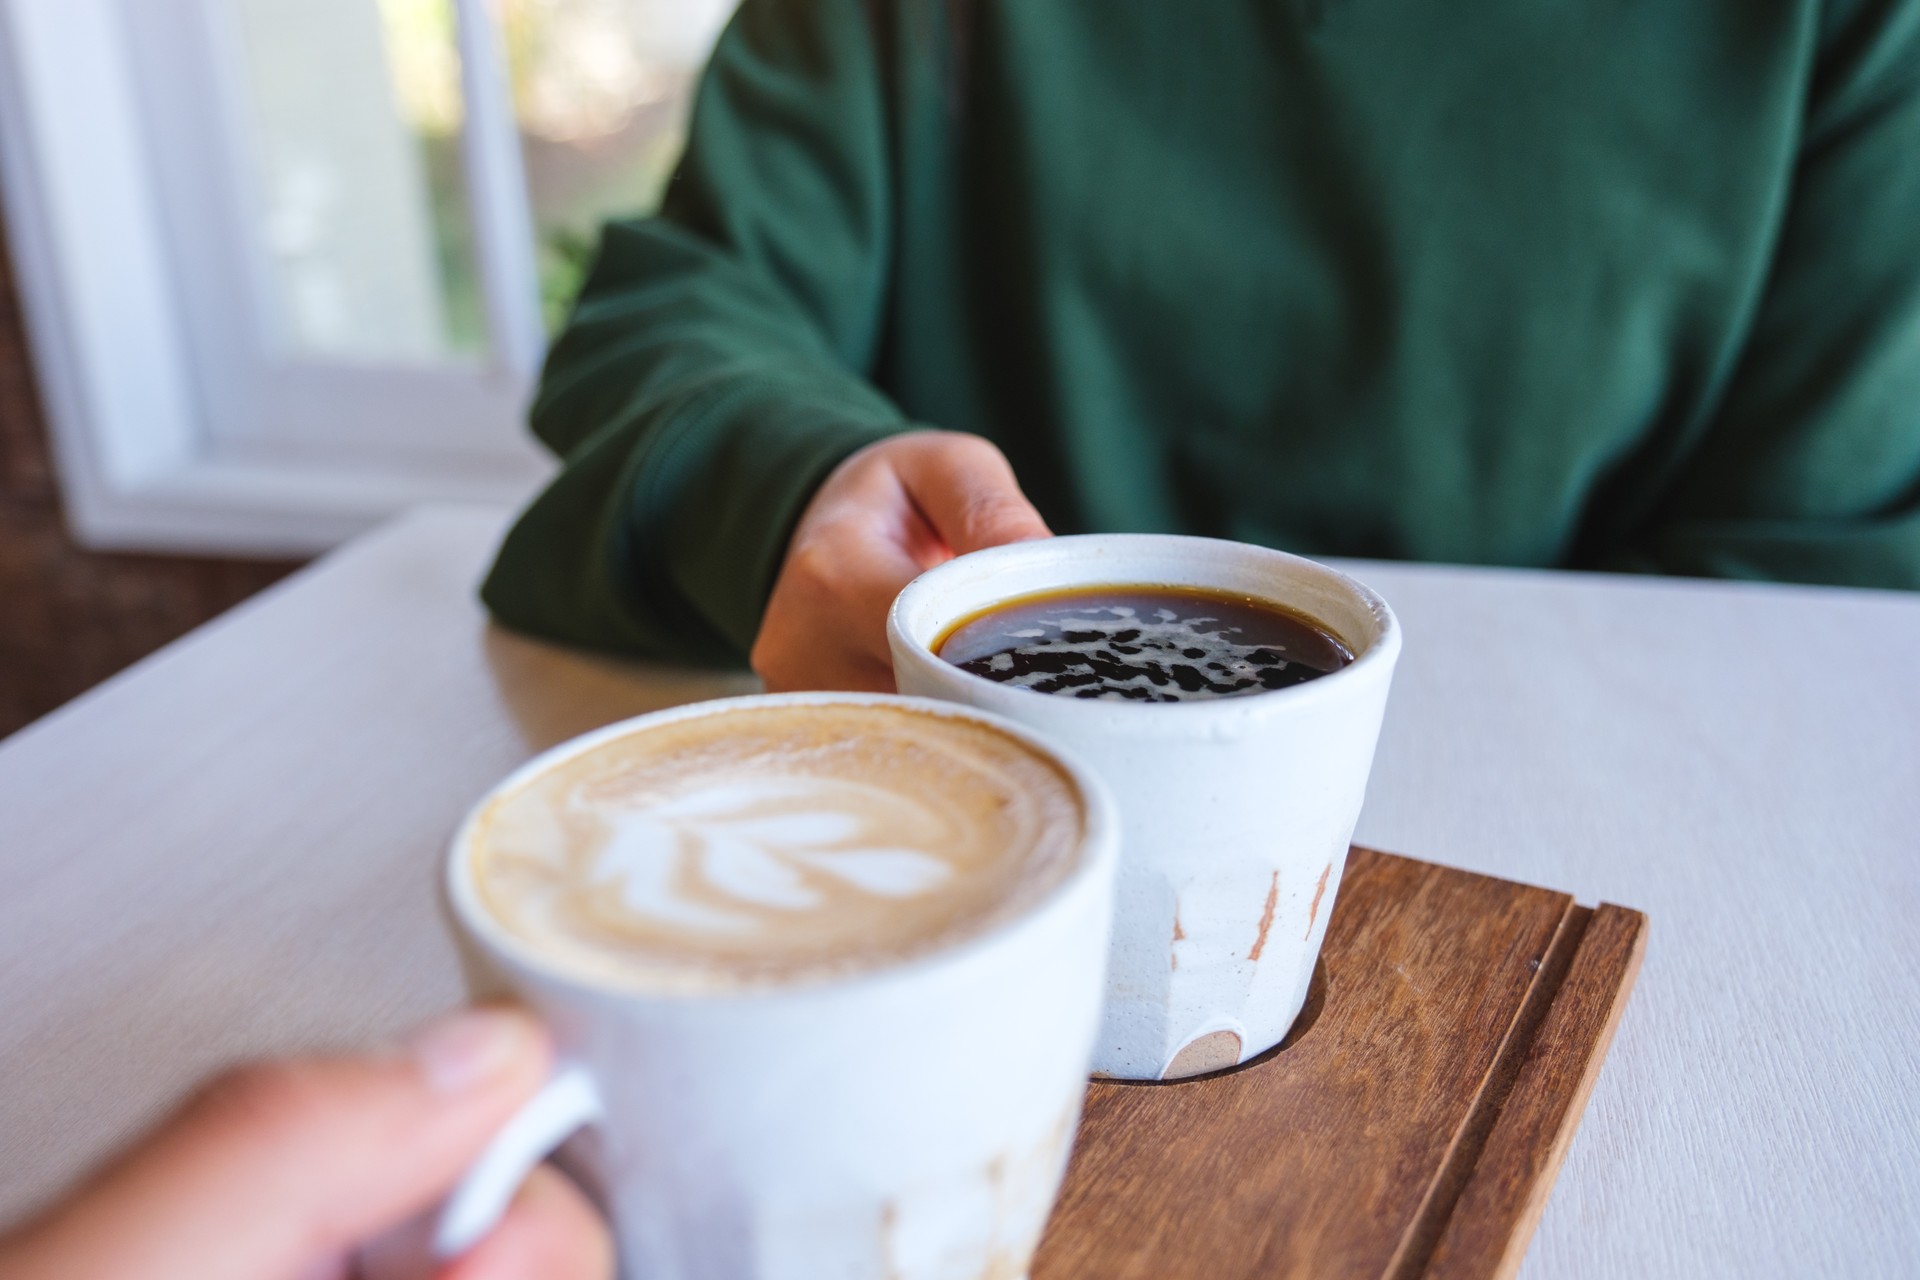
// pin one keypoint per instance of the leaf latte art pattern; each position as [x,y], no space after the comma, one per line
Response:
[758,847]
[765,845]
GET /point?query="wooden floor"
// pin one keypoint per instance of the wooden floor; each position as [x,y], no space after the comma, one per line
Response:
[69,618]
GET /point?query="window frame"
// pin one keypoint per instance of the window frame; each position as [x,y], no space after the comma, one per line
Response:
[142,463]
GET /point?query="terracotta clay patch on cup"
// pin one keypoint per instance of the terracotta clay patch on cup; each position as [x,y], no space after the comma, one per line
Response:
[1215,1051]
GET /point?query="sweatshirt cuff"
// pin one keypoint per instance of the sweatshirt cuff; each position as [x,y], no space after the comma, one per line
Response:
[714,507]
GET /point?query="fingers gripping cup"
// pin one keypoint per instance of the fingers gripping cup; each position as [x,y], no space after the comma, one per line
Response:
[825,973]
[1231,697]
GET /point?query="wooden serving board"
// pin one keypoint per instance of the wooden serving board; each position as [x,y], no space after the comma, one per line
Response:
[1410,1125]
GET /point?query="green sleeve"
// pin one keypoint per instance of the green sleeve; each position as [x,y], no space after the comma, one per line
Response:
[1810,469]
[710,375]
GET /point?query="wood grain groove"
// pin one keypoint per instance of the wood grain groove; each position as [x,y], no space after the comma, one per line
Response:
[1420,1242]
[1488,1231]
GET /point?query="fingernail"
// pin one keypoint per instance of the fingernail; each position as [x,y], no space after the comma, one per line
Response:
[466,1049]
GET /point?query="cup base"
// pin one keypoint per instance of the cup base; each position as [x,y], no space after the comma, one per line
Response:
[1215,1051]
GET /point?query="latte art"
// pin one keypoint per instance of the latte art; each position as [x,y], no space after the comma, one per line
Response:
[763,845]
[774,844]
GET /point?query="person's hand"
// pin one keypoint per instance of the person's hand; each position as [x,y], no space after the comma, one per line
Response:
[280,1170]
[885,515]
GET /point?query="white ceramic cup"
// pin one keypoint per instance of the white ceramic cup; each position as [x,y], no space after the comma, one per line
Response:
[908,1122]
[1235,813]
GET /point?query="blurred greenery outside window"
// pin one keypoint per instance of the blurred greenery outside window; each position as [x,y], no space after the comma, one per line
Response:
[601,91]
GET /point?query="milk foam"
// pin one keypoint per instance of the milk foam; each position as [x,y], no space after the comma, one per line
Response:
[765,845]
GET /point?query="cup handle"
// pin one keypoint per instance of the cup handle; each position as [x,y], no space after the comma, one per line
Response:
[567,1102]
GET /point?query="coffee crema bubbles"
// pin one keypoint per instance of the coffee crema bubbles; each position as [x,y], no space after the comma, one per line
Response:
[1143,644]
[771,845]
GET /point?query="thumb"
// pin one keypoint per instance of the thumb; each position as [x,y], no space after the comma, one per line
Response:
[966,489]
[277,1167]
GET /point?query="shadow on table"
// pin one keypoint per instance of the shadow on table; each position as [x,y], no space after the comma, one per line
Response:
[554,693]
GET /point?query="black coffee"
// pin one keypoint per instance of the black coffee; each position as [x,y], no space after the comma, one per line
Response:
[1148,644]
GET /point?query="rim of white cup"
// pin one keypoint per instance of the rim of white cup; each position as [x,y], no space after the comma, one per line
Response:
[1099,847]
[1380,652]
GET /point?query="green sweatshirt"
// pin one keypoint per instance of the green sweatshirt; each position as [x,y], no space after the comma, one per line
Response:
[1576,283]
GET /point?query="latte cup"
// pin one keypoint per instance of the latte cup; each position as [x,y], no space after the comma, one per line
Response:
[905,1121]
[1235,813]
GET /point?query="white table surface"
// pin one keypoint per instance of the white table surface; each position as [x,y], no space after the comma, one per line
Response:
[231,849]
